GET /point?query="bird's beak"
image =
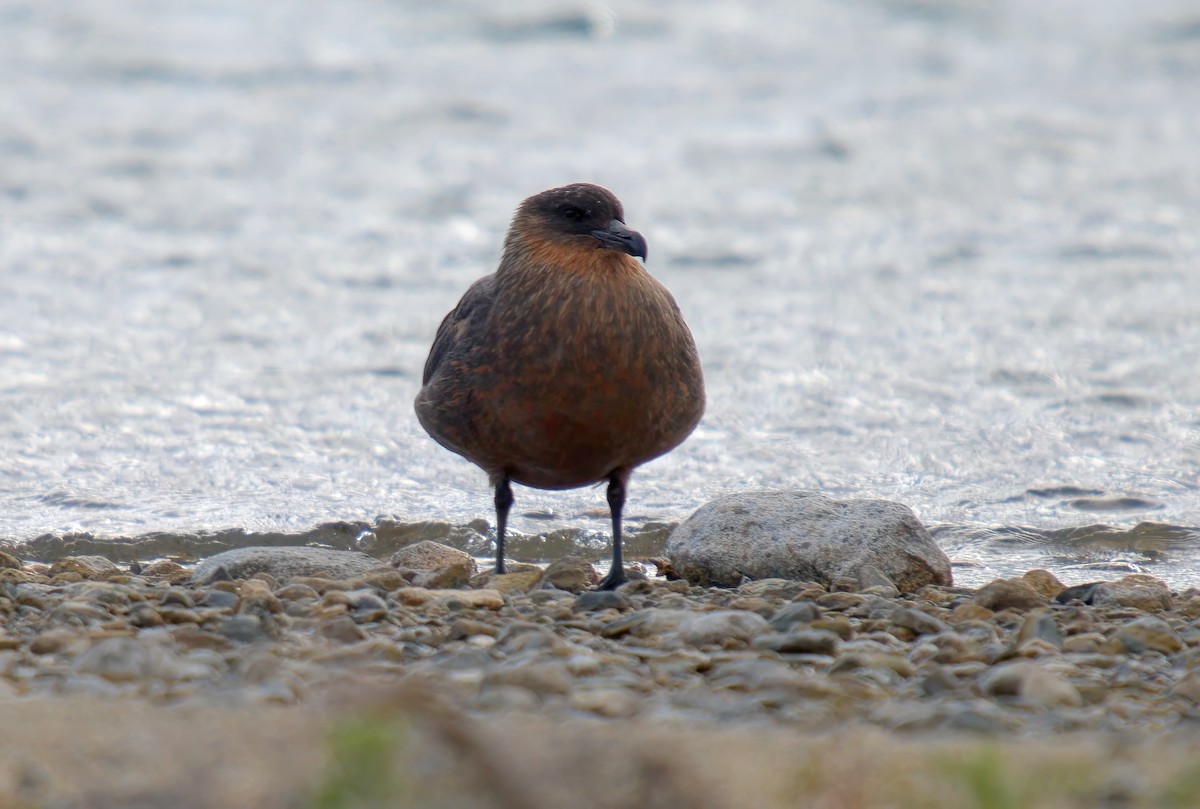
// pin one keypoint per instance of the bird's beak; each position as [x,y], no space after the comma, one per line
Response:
[618,237]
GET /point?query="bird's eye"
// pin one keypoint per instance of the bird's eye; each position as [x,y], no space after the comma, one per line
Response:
[573,213]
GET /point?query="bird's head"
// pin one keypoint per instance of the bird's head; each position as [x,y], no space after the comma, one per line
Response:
[572,223]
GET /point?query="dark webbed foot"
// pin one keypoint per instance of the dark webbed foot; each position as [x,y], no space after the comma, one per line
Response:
[616,504]
[613,580]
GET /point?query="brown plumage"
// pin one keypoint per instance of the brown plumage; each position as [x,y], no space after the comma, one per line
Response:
[570,365]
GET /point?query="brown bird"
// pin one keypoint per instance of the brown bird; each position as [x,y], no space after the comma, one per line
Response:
[570,365]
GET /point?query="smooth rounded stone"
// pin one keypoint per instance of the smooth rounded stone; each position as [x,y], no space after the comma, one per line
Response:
[8,561]
[353,599]
[774,588]
[938,681]
[1084,643]
[882,591]
[681,586]
[721,628]
[670,663]
[584,663]
[300,609]
[383,579]
[855,661]
[1039,625]
[246,628]
[256,596]
[1045,582]
[1190,608]
[125,659]
[800,641]
[798,612]
[367,606]
[805,536]
[204,663]
[79,613]
[919,622]
[1009,594]
[753,674]
[284,563]
[544,597]
[89,567]
[179,615]
[342,629]
[463,628]
[877,643]
[521,581]
[1032,683]
[573,574]
[178,597]
[36,596]
[105,594]
[938,595]
[162,567]
[763,606]
[953,648]
[22,575]
[648,623]
[1188,687]
[837,624]
[526,636]
[612,702]
[538,676]
[144,616]
[216,599]
[52,641]
[969,613]
[1137,591]
[420,635]
[428,555]
[453,599]
[456,575]
[637,587]
[1036,648]
[190,636]
[841,602]
[296,592]
[1149,633]
[596,600]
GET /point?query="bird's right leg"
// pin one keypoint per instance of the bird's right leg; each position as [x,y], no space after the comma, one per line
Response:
[504,501]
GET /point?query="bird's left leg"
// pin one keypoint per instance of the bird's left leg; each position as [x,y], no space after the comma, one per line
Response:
[616,504]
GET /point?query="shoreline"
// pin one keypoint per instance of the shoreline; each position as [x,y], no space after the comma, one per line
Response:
[1004,668]
[1086,552]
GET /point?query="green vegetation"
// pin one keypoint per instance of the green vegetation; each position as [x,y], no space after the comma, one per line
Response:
[363,768]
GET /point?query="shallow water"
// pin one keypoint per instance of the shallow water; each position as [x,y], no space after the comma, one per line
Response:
[938,252]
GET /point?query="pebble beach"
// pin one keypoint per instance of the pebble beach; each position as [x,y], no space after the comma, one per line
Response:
[1016,662]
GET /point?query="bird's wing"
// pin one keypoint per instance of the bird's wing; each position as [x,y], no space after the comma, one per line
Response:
[469,317]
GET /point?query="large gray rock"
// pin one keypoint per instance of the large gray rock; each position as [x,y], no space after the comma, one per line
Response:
[284,562]
[805,536]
